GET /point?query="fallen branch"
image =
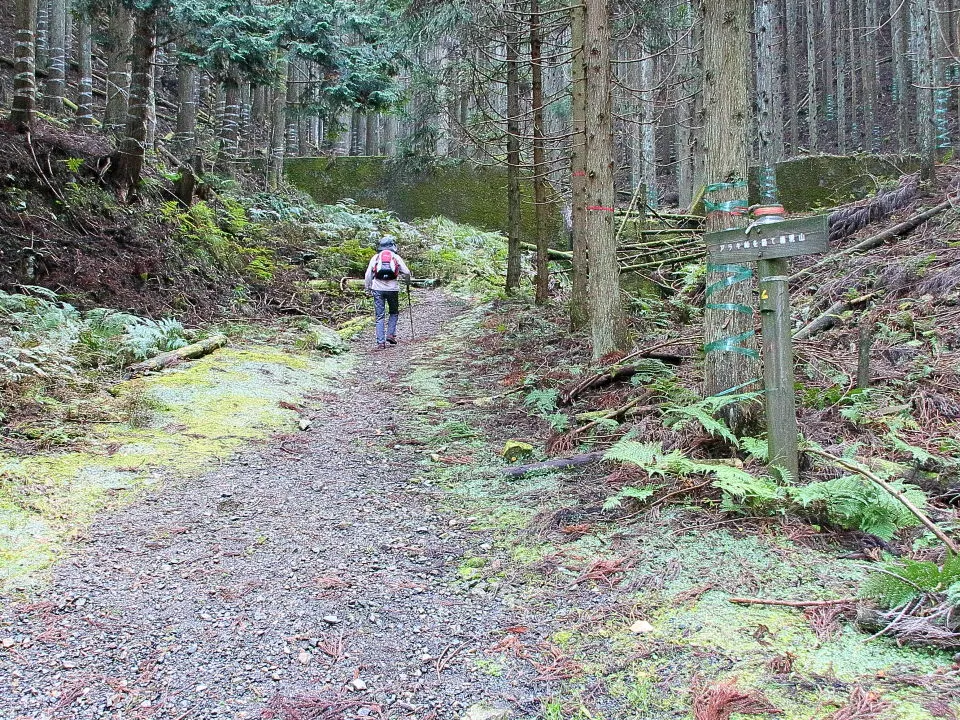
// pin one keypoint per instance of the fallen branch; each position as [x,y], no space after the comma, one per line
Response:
[907,226]
[188,352]
[791,603]
[555,464]
[555,254]
[567,396]
[664,261]
[613,374]
[917,512]
[611,415]
[829,318]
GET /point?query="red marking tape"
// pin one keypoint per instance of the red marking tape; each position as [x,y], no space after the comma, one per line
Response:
[601,208]
[580,173]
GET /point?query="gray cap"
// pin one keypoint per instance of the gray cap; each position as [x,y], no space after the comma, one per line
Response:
[388,242]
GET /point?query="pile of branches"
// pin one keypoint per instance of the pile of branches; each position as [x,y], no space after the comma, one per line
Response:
[919,602]
[847,220]
[928,621]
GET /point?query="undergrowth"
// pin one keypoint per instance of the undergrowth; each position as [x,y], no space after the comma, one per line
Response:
[50,350]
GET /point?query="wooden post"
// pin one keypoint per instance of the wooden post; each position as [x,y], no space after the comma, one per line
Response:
[770,244]
[864,344]
[778,379]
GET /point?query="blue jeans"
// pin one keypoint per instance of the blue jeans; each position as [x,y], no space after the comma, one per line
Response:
[382,301]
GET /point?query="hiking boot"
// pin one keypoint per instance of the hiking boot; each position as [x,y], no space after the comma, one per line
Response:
[392,339]
[381,346]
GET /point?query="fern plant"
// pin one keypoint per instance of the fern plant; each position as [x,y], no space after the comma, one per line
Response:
[738,486]
[856,504]
[639,494]
[543,401]
[897,583]
[149,337]
[649,370]
[680,408]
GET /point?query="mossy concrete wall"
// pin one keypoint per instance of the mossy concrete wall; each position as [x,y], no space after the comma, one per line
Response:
[462,191]
[826,181]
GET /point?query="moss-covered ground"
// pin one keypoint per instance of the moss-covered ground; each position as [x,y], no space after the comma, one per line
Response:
[187,418]
[675,567]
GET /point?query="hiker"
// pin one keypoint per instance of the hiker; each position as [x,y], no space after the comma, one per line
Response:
[382,280]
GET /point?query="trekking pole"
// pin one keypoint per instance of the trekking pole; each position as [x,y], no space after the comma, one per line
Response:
[410,305]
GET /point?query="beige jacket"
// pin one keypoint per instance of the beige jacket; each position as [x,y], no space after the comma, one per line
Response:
[373,283]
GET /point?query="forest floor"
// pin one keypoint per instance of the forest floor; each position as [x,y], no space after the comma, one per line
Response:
[378,564]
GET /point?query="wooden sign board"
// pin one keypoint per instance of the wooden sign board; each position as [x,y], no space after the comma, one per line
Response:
[787,238]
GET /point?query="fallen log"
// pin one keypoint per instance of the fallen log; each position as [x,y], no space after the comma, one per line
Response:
[188,352]
[665,261]
[904,228]
[555,464]
[555,254]
[571,391]
[845,221]
[831,316]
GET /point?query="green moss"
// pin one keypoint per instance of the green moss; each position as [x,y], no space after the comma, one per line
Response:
[204,410]
[825,181]
[493,668]
[464,192]
[471,568]
[528,554]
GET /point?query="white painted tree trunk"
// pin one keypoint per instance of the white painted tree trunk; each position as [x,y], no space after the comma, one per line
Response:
[57,66]
[648,121]
[85,56]
[24,57]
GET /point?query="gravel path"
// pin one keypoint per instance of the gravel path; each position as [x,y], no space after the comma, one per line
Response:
[301,575]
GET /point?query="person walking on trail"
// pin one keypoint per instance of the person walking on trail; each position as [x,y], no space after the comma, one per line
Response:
[383,281]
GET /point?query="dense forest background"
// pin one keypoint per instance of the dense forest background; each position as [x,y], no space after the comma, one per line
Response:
[269,80]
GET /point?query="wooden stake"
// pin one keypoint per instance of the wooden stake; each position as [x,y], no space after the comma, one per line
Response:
[864,343]
[778,364]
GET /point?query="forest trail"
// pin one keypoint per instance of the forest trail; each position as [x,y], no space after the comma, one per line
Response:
[298,574]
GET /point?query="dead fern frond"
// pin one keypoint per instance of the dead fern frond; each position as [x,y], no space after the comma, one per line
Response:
[720,701]
[862,705]
[824,620]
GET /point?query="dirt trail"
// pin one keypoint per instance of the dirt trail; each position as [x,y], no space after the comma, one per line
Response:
[270,584]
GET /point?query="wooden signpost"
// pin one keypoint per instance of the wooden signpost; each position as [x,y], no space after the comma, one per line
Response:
[770,244]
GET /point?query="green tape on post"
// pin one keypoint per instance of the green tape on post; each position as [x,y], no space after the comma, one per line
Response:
[734,207]
[737,388]
[733,274]
[732,344]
